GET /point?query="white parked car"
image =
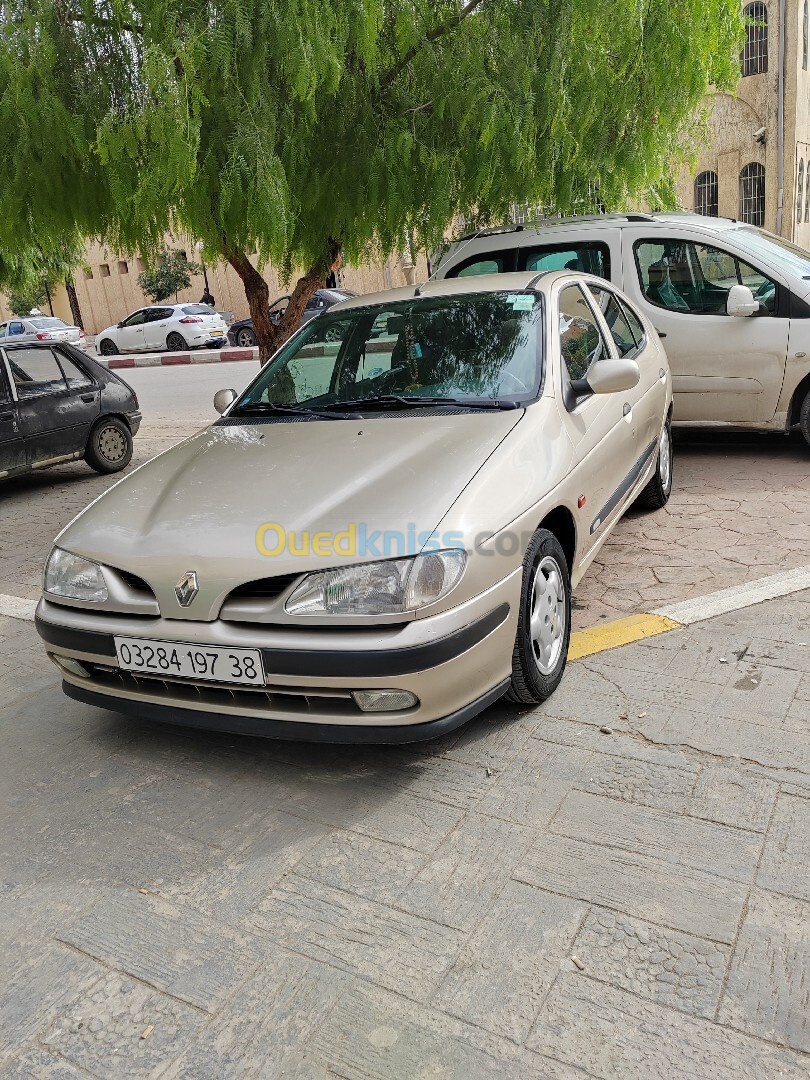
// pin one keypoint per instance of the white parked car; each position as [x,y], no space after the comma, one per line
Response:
[167,326]
[732,301]
[40,328]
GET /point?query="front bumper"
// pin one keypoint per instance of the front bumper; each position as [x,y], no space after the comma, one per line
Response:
[455,663]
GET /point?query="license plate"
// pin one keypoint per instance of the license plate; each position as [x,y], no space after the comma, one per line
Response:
[183,660]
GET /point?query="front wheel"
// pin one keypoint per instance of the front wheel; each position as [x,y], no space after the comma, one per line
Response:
[544,624]
[804,419]
[109,448]
[657,492]
[108,348]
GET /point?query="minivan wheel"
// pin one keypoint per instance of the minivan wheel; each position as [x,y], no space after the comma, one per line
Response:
[804,419]
[657,492]
[109,448]
[544,623]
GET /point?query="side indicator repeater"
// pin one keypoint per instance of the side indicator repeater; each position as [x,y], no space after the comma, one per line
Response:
[580,502]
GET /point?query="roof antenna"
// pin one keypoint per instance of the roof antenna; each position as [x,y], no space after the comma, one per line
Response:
[418,290]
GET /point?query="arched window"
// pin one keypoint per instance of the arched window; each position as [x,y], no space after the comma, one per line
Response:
[755,52]
[706,194]
[752,194]
[800,189]
[804,37]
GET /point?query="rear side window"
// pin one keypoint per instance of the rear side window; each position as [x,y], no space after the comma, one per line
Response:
[5,389]
[590,258]
[616,319]
[75,377]
[486,264]
[35,372]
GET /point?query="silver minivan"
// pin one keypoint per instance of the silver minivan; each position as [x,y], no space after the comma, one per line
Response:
[731,300]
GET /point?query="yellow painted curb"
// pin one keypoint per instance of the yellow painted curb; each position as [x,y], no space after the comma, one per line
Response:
[619,632]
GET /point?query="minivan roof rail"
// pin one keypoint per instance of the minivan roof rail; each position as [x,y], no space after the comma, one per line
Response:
[536,223]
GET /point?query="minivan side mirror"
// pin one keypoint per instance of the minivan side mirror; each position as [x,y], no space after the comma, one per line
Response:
[608,377]
[223,399]
[741,301]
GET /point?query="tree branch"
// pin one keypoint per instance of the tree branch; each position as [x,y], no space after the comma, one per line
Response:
[437,32]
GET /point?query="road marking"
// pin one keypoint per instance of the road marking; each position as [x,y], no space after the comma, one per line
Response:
[611,635]
[737,597]
[17,607]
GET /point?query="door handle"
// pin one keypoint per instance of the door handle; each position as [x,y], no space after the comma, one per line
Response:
[88,397]
[662,333]
[6,415]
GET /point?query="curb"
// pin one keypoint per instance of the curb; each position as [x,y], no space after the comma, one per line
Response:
[204,356]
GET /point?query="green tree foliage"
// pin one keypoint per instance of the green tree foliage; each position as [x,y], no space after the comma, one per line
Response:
[295,128]
[30,273]
[170,273]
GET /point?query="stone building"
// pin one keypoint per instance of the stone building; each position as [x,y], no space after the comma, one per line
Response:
[756,164]
[107,286]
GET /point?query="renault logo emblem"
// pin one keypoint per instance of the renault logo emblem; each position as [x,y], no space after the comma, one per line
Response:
[186,588]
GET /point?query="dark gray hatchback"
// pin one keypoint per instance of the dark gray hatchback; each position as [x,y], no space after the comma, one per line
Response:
[58,405]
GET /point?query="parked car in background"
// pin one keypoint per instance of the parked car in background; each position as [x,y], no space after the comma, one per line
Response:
[41,328]
[242,333]
[732,301]
[58,405]
[373,544]
[164,326]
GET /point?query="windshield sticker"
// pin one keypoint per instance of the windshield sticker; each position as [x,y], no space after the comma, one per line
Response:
[521,301]
[415,351]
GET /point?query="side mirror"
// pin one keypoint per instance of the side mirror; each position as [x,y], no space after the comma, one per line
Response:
[741,301]
[119,325]
[608,377]
[223,399]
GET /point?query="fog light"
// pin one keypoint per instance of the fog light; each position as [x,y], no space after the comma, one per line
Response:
[73,667]
[384,700]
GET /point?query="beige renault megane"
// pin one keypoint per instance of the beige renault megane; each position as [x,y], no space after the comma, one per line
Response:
[380,536]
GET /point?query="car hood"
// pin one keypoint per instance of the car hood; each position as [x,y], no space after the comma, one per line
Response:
[200,505]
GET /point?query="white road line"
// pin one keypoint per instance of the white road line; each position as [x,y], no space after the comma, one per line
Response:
[737,597]
[16,607]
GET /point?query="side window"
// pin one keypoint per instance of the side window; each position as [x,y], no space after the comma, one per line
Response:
[635,324]
[75,377]
[581,342]
[489,264]
[616,319]
[5,389]
[15,328]
[693,278]
[586,258]
[35,372]
[3,329]
[135,319]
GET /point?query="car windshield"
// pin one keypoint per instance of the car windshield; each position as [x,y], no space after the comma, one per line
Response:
[778,251]
[47,324]
[482,347]
[196,309]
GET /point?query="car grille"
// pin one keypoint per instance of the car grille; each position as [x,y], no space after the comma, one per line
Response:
[134,582]
[273,701]
[263,589]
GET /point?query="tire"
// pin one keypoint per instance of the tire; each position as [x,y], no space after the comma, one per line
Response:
[541,644]
[108,348]
[657,492]
[804,419]
[109,448]
[175,342]
[334,333]
[245,338]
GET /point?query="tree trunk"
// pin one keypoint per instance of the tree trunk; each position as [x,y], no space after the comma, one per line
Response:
[270,336]
[73,300]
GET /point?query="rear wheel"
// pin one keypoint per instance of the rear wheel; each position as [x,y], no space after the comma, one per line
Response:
[175,342]
[544,624]
[657,492]
[246,338]
[804,418]
[108,348]
[109,448]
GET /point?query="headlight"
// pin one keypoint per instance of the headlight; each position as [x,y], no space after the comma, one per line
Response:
[71,575]
[379,588]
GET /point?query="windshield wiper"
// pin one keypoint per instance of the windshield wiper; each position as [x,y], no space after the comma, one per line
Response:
[387,401]
[257,408]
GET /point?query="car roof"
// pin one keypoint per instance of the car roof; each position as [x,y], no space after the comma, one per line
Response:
[610,221]
[459,286]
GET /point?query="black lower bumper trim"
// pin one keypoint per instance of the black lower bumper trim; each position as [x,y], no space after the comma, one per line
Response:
[321,663]
[287,729]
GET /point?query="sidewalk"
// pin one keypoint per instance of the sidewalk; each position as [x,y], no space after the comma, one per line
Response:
[166,359]
[615,884]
